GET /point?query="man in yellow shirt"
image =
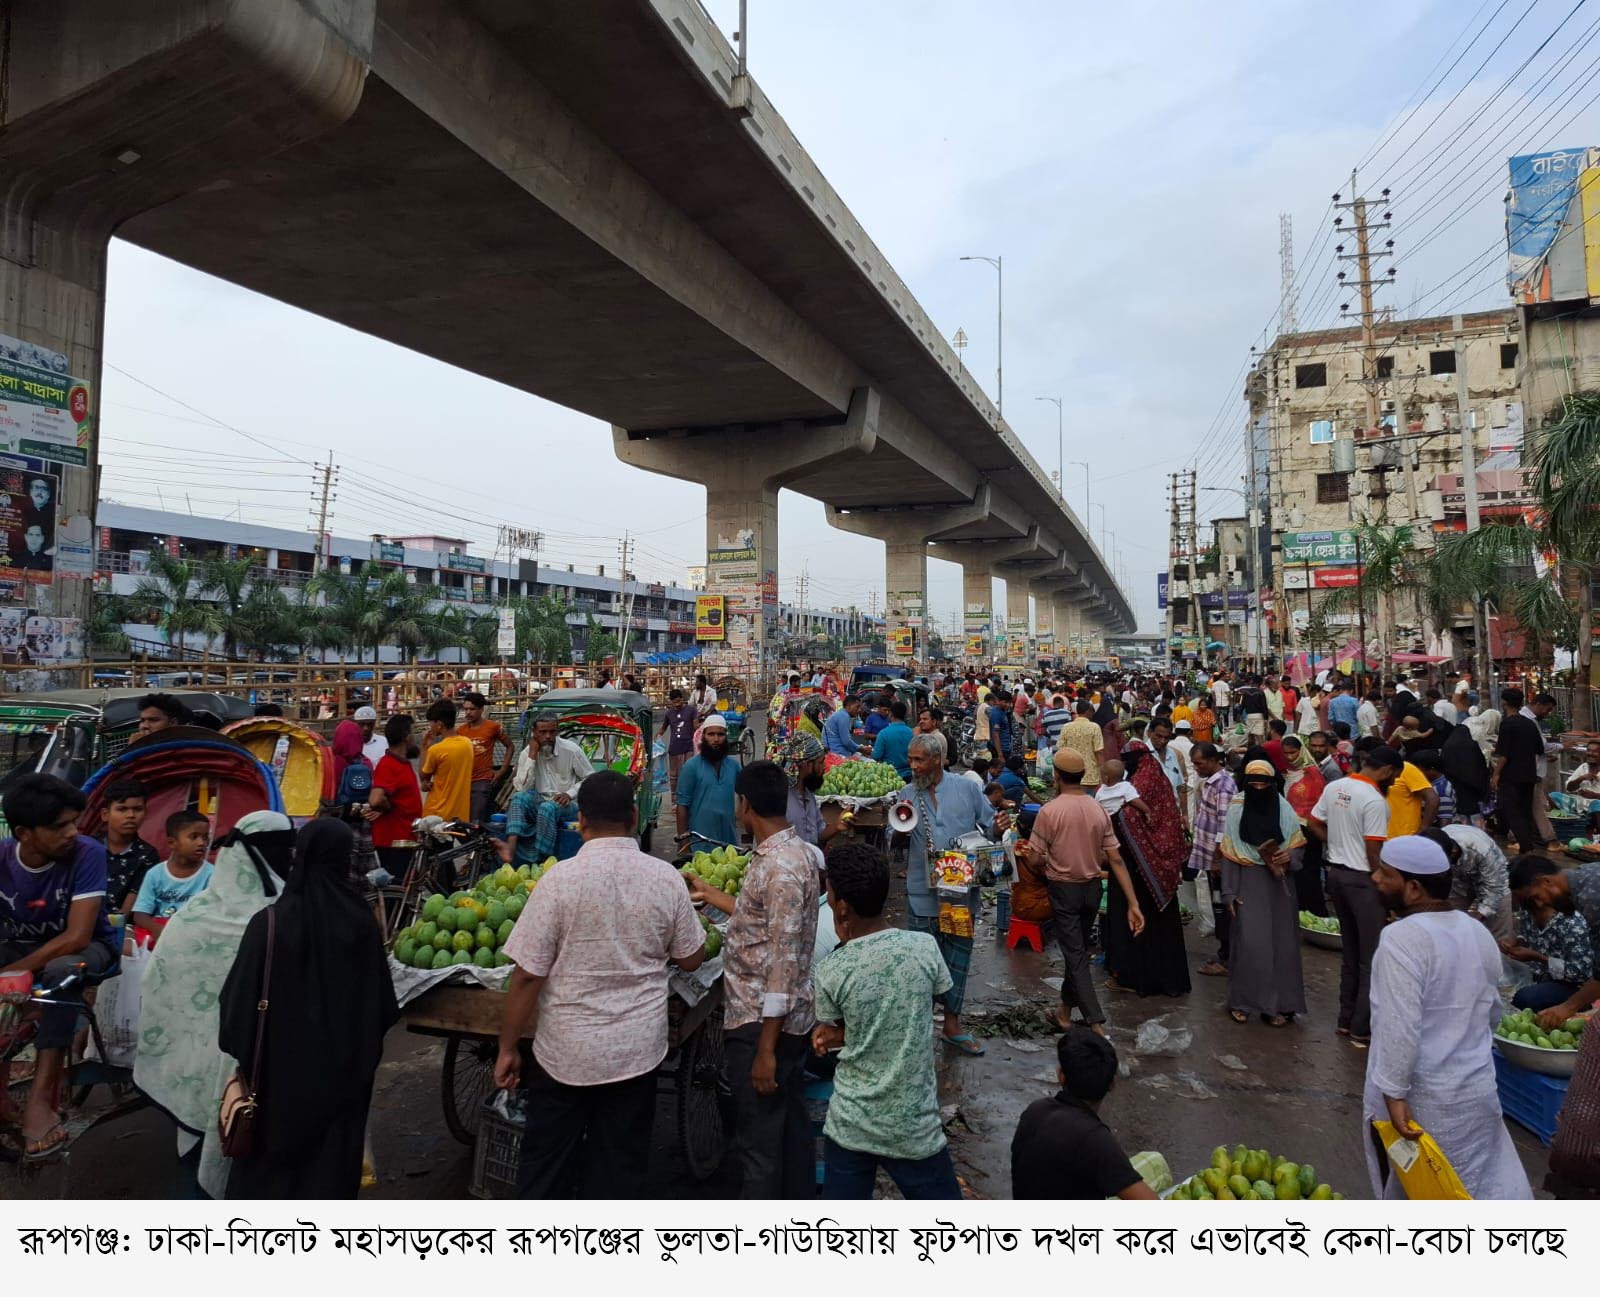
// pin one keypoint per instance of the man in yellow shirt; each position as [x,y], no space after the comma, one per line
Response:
[1413,803]
[447,765]
[1083,736]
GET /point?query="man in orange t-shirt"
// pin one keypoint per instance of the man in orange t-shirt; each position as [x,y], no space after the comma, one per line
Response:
[484,734]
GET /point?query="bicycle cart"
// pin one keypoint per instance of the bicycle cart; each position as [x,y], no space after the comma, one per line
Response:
[80,1078]
[467,1018]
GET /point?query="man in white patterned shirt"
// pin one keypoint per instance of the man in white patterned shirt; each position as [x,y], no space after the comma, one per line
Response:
[591,951]
[766,978]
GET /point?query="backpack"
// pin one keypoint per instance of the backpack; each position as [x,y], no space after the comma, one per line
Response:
[355,784]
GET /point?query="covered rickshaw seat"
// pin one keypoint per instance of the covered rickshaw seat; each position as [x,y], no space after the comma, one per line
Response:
[174,772]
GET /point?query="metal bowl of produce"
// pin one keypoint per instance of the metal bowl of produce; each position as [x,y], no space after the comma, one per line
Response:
[1552,1062]
[1327,940]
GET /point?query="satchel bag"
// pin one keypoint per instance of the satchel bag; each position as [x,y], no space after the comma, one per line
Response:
[236,1115]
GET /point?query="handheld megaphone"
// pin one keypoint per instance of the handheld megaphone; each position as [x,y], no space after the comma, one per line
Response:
[903,817]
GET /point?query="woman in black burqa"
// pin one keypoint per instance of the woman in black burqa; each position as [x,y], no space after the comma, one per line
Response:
[329,1004]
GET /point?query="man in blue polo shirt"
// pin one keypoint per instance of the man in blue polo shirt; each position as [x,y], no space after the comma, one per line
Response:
[893,744]
[1344,706]
[52,923]
[838,732]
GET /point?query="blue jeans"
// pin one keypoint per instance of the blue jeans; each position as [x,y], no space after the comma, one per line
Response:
[1540,996]
[849,1174]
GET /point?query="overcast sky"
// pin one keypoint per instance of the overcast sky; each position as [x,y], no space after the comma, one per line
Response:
[1128,162]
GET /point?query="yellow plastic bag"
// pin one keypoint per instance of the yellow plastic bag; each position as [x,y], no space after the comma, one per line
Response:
[1424,1171]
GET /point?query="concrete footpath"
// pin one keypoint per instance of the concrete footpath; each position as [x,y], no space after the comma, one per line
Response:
[1294,1090]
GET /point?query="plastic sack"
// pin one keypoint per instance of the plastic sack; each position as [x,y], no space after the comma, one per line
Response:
[1205,921]
[1153,1039]
[116,1010]
[1425,1172]
[1153,1170]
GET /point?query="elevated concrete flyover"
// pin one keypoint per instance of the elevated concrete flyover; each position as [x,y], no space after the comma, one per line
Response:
[583,201]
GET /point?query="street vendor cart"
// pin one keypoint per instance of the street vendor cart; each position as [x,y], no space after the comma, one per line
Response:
[467,1018]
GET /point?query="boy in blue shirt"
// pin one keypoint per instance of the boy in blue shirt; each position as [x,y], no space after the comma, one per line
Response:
[182,876]
[892,746]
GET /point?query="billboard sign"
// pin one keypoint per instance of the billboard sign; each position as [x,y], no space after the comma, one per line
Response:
[709,621]
[903,642]
[1542,188]
[1161,589]
[1320,548]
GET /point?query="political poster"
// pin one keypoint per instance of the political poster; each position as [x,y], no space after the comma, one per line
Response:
[28,499]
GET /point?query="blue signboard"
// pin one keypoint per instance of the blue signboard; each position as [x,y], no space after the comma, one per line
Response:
[1161,589]
[1542,188]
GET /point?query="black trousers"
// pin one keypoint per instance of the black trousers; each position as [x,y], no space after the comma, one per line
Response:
[1311,895]
[1361,916]
[592,1141]
[1220,917]
[1074,908]
[772,1134]
[1516,813]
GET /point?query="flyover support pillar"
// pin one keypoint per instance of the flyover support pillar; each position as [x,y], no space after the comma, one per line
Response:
[977,607]
[1044,625]
[1017,614]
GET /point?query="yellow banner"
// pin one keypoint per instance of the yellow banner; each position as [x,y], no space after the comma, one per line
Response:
[1589,200]
[903,641]
[709,622]
[975,646]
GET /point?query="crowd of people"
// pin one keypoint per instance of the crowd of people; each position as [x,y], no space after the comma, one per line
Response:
[1234,801]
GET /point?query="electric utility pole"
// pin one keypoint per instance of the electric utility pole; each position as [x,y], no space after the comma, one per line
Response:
[325,478]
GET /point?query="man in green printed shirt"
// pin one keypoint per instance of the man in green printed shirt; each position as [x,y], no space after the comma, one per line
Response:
[874,997]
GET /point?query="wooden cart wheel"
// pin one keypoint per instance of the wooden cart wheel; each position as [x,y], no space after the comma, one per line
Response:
[465,1082]
[702,1133]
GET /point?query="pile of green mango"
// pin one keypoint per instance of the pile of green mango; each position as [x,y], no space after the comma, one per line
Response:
[1523,1027]
[1250,1174]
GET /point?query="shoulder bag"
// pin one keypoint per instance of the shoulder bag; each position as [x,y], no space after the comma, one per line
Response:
[236,1115]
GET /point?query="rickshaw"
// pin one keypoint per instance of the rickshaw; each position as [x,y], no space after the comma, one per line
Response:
[785,715]
[73,732]
[733,703]
[614,727]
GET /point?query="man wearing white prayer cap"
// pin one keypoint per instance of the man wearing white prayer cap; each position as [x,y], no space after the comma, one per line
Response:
[1435,998]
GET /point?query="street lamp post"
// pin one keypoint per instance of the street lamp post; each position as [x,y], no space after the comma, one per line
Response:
[1078,463]
[999,331]
[1061,445]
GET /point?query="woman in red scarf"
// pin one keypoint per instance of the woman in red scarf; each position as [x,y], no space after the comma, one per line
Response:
[1154,962]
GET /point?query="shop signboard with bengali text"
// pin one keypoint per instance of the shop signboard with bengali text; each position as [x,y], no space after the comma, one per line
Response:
[1320,548]
[44,411]
[709,618]
[903,642]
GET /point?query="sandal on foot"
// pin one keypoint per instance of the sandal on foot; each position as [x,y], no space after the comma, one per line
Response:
[1361,1042]
[1239,1016]
[1278,1021]
[965,1044]
[52,1142]
[1213,968]
[1341,1031]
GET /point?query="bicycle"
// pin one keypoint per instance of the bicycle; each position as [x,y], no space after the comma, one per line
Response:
[19,1024]
[451,856]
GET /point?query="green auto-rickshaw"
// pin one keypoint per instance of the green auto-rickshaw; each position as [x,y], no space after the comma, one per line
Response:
[615,729]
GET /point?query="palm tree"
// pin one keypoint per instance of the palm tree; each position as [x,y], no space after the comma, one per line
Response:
[227,580]
[267,621]
[1556,605]
[1390,562]
[168,593]
[107,615]
[543,622]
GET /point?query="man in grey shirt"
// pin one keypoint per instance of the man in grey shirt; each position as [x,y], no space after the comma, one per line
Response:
[1479,876]
[803,762]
